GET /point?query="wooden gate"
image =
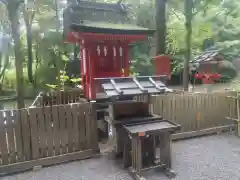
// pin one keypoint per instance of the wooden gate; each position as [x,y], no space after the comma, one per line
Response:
[45,136]
[198,114]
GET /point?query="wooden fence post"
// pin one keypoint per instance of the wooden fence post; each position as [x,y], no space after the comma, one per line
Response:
[94,128]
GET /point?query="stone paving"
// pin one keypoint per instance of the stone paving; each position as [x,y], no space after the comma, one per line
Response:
[207,158]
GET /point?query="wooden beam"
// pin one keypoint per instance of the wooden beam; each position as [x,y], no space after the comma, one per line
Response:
[27,165]
[203,132]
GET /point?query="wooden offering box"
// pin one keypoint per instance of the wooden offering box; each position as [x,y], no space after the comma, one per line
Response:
[140,147]
[125,112]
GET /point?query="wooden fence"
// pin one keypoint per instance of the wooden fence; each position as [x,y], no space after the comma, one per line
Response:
[198,114]
[58,97]
[44,136]
[234,110]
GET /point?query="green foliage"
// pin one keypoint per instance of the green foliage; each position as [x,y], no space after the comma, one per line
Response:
[64,79]
[142,65]
[213,19]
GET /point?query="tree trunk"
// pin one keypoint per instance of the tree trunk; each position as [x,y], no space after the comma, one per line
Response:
[58,54]
[188,25]
[14,19]
[160,27]
[29,50]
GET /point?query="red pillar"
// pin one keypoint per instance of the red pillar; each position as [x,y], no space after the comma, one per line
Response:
[126,58]
[91,68]
[87,71]
[83,66]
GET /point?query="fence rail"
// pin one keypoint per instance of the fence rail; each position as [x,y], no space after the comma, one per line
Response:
[44,136]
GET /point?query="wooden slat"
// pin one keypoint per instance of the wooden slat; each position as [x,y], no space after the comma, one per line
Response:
[34,132]
[174,109]
[18,135]
[179,120]
[184,115]
[82,126]
[178,109]
[63,129]
[10,136]
[26,134]
[76,128]
[3,140]
[69,119]
[42,132]
[56,130]
[198,112]
[49,128]
[88,124]
[94,128]
[201,111]
[195,111]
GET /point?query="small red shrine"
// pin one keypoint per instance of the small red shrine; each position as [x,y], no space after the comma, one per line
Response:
[163,65]
[105,36]
[207,65]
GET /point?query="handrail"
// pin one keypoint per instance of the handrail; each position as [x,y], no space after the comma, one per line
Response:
[37,99]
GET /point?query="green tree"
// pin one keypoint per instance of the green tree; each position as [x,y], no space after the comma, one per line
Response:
[13,14]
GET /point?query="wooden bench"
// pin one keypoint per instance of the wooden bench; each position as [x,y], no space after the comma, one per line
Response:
[140,147]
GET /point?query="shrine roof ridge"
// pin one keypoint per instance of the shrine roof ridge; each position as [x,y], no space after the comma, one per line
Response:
[111,28]
[206,56]
[118,7]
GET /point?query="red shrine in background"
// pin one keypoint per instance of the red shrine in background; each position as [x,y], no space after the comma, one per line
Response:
[207,65]
[105,38]
[163,65]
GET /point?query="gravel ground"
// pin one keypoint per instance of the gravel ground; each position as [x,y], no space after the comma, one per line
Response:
[207,158]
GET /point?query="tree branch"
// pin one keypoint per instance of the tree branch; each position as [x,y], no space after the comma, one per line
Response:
[204,7]
[173,11]
[4,67]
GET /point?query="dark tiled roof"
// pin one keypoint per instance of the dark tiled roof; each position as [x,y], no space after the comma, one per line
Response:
[206,56]
[86,4]
[95,17]
[111,28]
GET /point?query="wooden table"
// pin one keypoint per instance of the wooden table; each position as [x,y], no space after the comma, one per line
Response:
[140,148]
